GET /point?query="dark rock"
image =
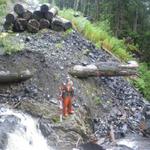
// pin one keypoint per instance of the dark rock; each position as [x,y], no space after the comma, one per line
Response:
[28,39]
[3,140]
[9,124]
[45,127]
[91,146]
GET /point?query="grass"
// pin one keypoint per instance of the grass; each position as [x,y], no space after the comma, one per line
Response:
[2,10]
[9,44]
[99,33]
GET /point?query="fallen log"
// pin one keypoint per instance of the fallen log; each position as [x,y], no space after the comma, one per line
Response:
[37,15]
[102,69]
[19,9]
[8,26]
[20,25]
[44,23]
[51,14]
[10,18]
[27,15]
[9,77]
[33,26]
[61,24]
[44,8]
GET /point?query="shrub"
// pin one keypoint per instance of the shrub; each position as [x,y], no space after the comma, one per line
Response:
[3,2]
[143,82]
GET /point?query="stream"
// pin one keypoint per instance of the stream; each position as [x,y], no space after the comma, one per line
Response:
[19,131]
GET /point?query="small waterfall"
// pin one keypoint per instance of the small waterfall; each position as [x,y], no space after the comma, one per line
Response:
[22,131]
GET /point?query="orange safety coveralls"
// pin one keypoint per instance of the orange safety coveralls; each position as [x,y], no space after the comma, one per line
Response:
[67,100]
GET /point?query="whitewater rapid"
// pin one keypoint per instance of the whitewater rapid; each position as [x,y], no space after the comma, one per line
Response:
[27,135]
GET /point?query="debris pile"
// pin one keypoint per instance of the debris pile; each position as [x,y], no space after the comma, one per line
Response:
[44,16]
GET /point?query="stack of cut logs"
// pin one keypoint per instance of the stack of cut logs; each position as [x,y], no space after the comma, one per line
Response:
[33,20]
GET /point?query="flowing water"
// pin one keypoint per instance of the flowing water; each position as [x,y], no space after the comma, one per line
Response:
[21,132]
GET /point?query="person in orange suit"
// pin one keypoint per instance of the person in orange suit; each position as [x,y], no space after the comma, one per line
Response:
[67,93]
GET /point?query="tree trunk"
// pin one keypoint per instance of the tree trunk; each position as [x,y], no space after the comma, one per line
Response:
[19,9]
[33,26]
[61,24]
[44,23]
[51,14]
[103,69]
[8,77]
[27,15]
[135,21]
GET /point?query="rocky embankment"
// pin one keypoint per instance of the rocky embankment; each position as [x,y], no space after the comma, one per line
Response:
[103,105]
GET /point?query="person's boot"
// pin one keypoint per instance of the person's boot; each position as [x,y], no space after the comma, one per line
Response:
[71,111]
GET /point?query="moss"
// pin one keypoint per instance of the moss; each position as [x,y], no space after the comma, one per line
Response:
[55,119]
[97,100]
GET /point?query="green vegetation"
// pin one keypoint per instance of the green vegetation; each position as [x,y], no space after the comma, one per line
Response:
[97,100]
[43,1]
[9,44]
[127,19]
[2,10]
[99,34]
[143,82]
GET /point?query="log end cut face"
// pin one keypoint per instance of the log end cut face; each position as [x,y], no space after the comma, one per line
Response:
[33,26]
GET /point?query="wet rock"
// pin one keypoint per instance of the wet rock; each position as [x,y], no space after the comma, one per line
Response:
[120,147]
[28,39]
[3,140]
[8,123]
[90,146]
[45,127]
[84,63]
